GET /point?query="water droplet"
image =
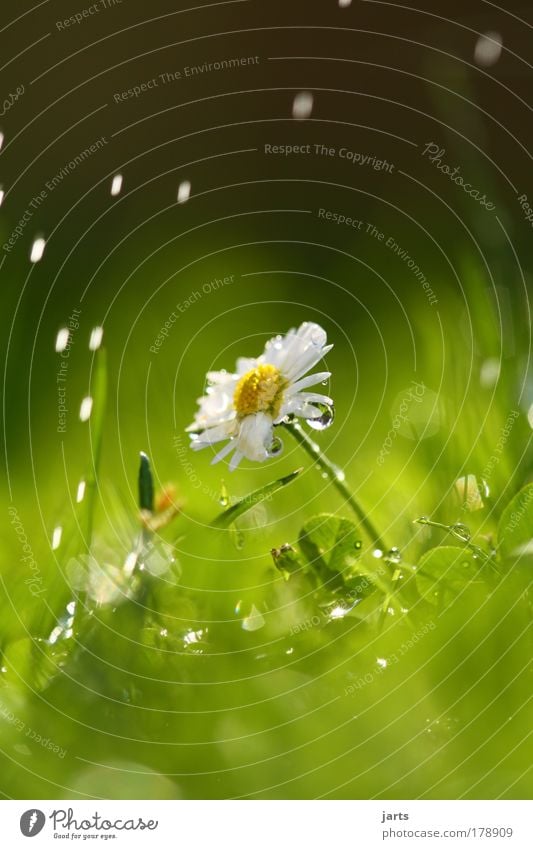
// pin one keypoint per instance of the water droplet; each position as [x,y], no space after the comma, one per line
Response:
[377,553]
[325,419]
[56,537]
[461,532]
[130,563]
[394,555]
[1,196]
[302,105]
[381,662]
[488,49]
[358,545]
[254,621]
[86,409]
[80,493]
[276,447]
[62,339]
[116,185]
[95,340]
[184,191]
[343,4]
[423,520]
[37,249]
[1,140]
[223,499]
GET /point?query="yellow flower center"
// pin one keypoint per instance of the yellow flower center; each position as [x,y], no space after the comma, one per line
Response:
[259,391]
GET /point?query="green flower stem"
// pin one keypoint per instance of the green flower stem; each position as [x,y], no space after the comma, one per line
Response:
[337,479]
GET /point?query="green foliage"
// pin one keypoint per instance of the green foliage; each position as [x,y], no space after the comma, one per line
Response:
[444,572]
[515,530]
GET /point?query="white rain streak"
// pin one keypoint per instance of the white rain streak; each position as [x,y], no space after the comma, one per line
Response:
[62,339]
[116,185]
[302,105]
[37,249]
[184,191]
[56,537]
[1,140]
[95,340]
[488,49]
[530,416]
[86,409]
[1,195]
[80,494]
[345,3]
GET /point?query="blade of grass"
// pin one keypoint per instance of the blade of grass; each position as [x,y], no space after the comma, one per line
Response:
[228,517]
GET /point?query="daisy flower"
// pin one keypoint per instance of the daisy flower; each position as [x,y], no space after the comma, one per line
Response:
[242,408]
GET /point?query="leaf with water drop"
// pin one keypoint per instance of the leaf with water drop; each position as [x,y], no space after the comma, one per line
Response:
[332,547]
[228,517]
[444,572]
[515,530]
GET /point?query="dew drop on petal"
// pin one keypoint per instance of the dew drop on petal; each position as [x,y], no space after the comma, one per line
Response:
[86,409]
[324,420]
[37,249]
[116,185]
[95,339]
[302,105]
[276,447]
[56,537]
[184,191]
[62,339]
[488,49]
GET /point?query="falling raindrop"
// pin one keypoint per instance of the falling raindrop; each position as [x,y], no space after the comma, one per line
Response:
[394,555]
[184,191]
[95,339]
[276,447]
[1,140]
[62,340]
[302,105]
[86,409]
[461,532]
[37,249]
[345,3]
[56,537]
[116,185]
[1,195]
[224,495]
[488,49]
[530,417]
[80,493]
[325,419]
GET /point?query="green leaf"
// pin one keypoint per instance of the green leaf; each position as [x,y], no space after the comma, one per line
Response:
[515,531]
[146,484]
[228,517]
[330,544]
[444,572]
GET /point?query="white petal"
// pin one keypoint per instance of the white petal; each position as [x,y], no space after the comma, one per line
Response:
[235,460]
[310,380]
[210,436]
[245,364]
[224,452]
[255,435]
